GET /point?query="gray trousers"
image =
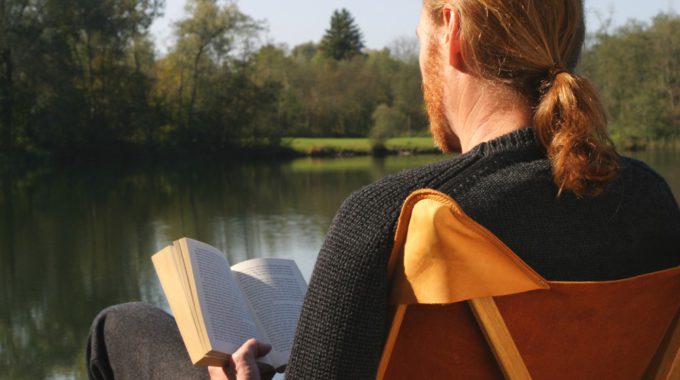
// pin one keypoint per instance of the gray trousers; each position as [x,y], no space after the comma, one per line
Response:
[138,341]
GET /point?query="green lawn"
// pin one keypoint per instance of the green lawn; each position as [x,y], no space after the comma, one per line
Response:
[416,144]
[308,145]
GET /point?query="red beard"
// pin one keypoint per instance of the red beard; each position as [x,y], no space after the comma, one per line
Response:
[433,94]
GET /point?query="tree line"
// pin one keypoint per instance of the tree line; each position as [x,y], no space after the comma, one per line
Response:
[82,77]
[637,71]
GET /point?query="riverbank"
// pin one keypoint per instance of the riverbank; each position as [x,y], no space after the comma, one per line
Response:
[334,147]
[286,149]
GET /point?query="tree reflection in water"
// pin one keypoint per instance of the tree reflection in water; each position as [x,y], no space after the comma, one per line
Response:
[75,241]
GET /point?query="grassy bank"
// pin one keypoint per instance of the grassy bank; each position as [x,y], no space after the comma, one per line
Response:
[357,146]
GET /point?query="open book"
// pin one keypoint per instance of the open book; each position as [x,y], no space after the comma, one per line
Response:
[218,308]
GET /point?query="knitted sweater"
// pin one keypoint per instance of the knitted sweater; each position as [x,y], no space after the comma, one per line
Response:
[505,185]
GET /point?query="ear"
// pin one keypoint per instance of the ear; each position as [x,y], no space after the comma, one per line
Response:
[451,18]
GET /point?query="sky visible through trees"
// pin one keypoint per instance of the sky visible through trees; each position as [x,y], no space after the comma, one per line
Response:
[300,21]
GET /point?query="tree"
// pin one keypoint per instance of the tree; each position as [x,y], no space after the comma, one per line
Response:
[387,122]
[65,80]
[405,49]
[665,32]
[20,28]
[343,40]
[636,70]
[206,39]
[305,51]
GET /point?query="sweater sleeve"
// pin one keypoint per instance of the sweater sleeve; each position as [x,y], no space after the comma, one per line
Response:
[344,323]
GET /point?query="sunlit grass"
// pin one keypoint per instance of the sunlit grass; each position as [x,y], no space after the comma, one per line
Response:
[308,145]
[418,144]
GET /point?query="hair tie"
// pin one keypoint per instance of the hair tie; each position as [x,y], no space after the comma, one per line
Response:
[554,71]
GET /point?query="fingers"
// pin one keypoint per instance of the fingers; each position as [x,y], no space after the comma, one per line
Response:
[243,359]
[254,349]
[217,373]
[242,364]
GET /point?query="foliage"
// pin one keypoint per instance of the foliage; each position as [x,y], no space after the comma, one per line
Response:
[637,70]
[73,74]
[324,97]
[81,79]
[343,40]
[387,122]
[205,80]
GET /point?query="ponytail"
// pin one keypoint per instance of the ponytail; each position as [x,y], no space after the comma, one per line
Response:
[570,123]
[512,43]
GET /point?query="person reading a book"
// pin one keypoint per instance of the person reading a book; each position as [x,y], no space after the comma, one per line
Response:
[536,168]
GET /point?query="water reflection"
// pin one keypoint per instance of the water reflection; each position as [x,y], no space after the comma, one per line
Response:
[75,241]
[667,163]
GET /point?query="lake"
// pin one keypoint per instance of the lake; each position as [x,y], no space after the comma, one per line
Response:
[73,241]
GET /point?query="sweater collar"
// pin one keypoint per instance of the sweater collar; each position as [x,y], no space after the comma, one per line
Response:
[521,139]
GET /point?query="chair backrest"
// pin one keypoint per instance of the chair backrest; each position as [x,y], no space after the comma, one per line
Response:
[449,275]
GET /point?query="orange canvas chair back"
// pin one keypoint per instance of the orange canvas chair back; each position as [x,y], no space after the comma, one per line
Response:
[467,307]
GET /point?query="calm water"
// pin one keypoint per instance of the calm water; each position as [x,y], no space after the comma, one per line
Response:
[73,242]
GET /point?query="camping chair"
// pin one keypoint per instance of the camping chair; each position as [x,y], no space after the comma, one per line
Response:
[466,307]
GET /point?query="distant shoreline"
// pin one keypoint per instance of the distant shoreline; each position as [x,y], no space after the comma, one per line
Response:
[343,147]
[289,148]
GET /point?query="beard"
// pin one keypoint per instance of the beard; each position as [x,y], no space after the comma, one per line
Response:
[433,95]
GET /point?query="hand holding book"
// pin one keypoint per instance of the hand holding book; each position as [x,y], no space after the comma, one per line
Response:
[243,365]
[218,308]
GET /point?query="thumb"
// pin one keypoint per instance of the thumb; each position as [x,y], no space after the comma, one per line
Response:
[243,359]
[261,349]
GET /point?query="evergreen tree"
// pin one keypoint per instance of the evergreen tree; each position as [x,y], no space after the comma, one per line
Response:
[343,40]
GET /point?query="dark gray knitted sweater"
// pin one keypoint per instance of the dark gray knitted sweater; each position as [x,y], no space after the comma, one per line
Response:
[505,185]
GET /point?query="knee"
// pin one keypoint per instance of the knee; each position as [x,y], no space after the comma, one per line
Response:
[126,310]
[126,318]
[108,329]
[131,339]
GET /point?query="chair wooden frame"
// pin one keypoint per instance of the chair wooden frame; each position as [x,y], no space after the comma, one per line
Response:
[666,365]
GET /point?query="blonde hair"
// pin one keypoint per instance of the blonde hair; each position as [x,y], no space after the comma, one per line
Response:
[532,47]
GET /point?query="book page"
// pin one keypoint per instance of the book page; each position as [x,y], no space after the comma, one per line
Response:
[227,319]
[275,290]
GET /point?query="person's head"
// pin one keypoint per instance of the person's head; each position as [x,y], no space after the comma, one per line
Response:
[526,50]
